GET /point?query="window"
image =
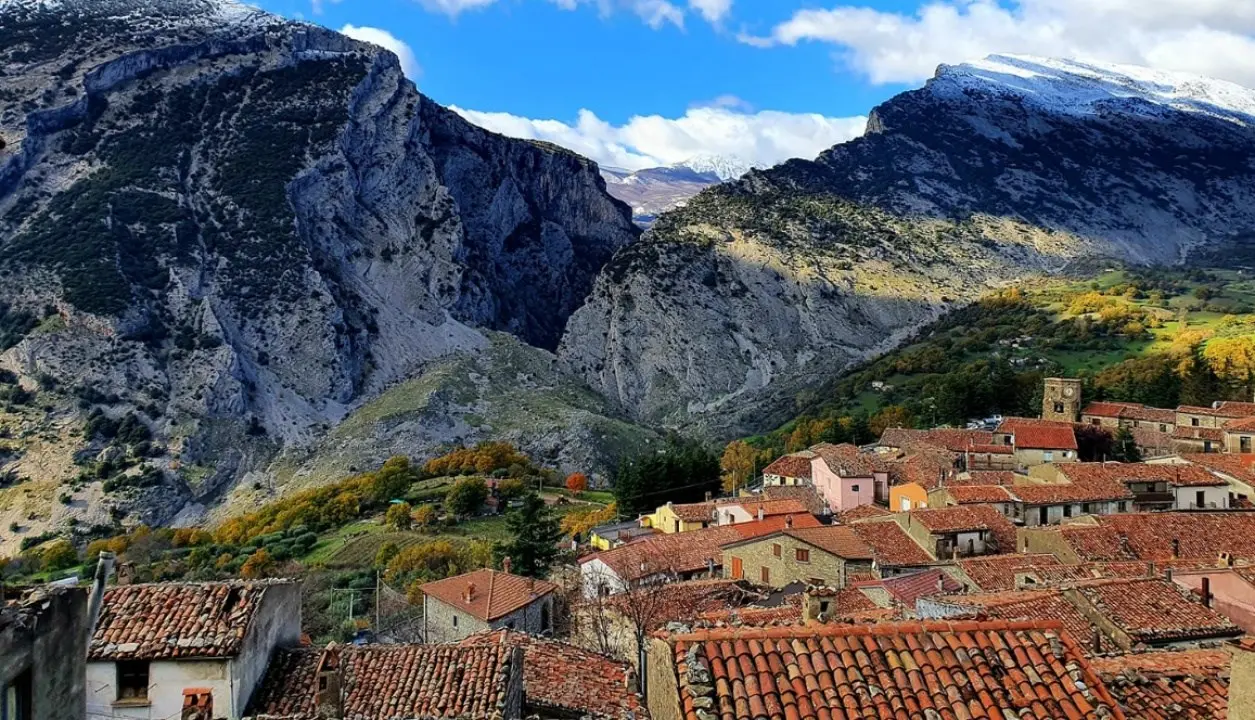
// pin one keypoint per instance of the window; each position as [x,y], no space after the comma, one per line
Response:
[1095,421]
[509,624]
[1200,499]
[1163,428]
[133,680]
[1048,456]
[1244,444]
[766,575]
[854,488]
[1123,506]
[775,549]
[15,703]
[823,606]
[455,621]
[803,555]
[1194,422]
[544,617]
[1058,407]
[1067,511]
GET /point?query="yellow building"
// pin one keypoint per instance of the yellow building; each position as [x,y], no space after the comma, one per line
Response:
[672,518]
[909,496]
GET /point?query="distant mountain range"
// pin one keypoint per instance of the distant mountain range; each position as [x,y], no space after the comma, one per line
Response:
[653,191]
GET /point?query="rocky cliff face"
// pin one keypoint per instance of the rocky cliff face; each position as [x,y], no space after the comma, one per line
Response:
[732,306]
[235,229]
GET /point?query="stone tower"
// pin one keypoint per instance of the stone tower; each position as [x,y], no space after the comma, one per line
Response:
[1061,400]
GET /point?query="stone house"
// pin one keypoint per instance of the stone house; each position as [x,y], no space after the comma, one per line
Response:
[1038,442]
[43,651]
[820,556]
[1239,436]
[1202,429]
[158,649]
[486,599]
[847,478]
[958,531]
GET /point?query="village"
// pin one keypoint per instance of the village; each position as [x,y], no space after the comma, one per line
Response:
[943,573]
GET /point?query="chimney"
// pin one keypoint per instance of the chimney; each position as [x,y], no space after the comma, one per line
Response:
[788,522]
[1206,591]
[708,496]
[469,594]
[328,702]
[760,513]
[1176,548]
[505,564]
[104,567]
[710,567]
[1096,641]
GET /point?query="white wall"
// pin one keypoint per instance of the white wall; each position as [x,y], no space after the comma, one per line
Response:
[594,574]
[277,623]
[166,680]
[1215,496]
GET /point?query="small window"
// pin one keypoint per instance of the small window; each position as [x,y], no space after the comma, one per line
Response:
[1194,422]
[1067,511]
[766,575]
[854,488]
[1123,506]
[775,549]
[1163,428]
[1200,499]
[1048,456]
[509,625]
[1058,407]
[455,621]
[803,555]
[823,606]
[1085,508]
[15,703]
[133,680]
[1095,421]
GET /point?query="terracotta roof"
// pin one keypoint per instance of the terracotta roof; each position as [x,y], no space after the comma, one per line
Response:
[891,545]
[1187,432]
[847,460]
[991,449]
[997,572]
[1081,492]
[846,601]
[1240,425]
[176,620]
[681,602]
[1240,467]
[973,494]
[948,519]
[839,540]
[1011,424]
[861,512]
[786,614]
[1130,411]
[1181,685]
[786,506]
[566,678]
[1044,605]
[1155,610]
[1091,542]
[910,587]
[1106,409]
[689,551]
[390,682]
[1044,437]
[796,465]
[806,494]
[1173,474]
[1059,574]
[891,670]
[983,477]
[1151,439]
[694,512]
[924,465]
[1236,408]
[492,594]
[1200,535]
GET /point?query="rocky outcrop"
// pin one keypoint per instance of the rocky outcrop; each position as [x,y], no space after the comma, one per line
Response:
[240,228]
[730,308]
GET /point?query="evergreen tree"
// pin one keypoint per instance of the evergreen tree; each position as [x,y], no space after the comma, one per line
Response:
[1125,447]
[535,534]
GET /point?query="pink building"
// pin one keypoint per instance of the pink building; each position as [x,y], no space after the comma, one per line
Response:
[846,478]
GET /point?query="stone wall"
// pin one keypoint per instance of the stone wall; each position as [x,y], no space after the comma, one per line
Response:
[785,569]
[43,652]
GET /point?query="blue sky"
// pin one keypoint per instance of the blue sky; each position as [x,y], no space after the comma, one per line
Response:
[642,82]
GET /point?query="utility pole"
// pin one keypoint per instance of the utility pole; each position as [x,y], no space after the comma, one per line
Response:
[376,602]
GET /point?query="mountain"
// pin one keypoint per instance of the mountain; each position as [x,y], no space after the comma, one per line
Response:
[732,308]
[653,191]
[223,233]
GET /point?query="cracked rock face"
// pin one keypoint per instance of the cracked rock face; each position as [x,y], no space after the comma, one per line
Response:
[731,308]
[245,227]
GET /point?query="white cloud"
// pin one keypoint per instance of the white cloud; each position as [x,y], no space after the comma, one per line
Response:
[713,10]
[454,7]
[387,41]
[731,102]
[762,138]
[654,13]
[1211,37]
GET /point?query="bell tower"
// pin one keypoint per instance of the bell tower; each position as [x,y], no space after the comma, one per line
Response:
[1061,400]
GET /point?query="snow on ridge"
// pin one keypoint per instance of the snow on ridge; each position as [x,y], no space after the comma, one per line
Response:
[724,166]
[1070,86]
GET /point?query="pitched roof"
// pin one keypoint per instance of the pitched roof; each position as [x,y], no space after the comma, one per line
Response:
[566,678]
[991,449]
[1240,425]
[1237,407]
[1189,432]
[794,465]
[492,594]
[1180,685]
[861,512]
[983,477]
[997,572]
[688,551]
[769,508]
[962,670]
[390,682]
[1114,472]
[176,620]
[952,439]
[694,512]
[890,544]
[839,540]
[1041,605]
[1199,535]
[679,602]
[910,587]
[973,494]
[948,519]
[1240,467]
[1096,542]
[1155,610]
[805,494]
[1080,492]
[1044,437]
[846,460]
[1130,411]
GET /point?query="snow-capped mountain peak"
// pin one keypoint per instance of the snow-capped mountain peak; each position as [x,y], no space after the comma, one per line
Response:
[726,167]
[1072,87]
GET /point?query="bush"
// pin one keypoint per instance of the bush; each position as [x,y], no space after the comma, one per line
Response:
[467,496]
[398,516]
[59,555]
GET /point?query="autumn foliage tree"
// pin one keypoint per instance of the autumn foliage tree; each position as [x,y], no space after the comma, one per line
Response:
[738,464]
[894,416]
[398,516]
[577,482]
